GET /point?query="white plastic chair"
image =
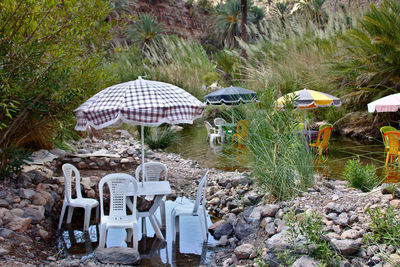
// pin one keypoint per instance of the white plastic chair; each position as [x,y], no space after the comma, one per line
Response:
[154,172]
[218,123]
[79,201]
[119,185]
[193,209]
[212,133]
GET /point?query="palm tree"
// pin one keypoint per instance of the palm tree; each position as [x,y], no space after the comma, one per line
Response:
[146,30]
[245,34]
[228,22]
[282,8]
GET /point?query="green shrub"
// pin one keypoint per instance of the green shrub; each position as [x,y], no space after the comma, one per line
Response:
[146,30]
[385,227]
[311,228]
[160,137]
[11,160]
[359,176]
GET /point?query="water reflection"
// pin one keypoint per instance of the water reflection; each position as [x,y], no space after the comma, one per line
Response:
[193,145]
[189,250]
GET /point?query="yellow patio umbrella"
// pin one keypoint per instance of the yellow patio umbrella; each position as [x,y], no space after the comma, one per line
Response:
[308,99]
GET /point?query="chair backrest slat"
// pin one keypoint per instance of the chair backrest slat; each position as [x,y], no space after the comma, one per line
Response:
[154,171]
[119,185]
[392,140]
[385,129]
[69,170]
[201,193]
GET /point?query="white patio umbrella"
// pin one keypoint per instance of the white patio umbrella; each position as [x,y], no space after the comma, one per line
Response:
[140,102]
[390,103]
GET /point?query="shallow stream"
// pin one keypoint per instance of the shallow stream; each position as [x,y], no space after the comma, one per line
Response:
[193,145]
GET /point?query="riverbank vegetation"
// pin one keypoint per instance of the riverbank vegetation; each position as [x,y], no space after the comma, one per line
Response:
[55,56]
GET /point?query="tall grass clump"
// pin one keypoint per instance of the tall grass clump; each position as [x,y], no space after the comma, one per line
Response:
[361,177]
[160,137]
[281,162]
[181,62]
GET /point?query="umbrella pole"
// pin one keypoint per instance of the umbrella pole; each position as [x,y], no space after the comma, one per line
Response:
[233,121]
[143,168]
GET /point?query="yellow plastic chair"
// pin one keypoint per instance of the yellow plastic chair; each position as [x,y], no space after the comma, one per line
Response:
[241,133]
[322,145]
[383,130]
[392,140]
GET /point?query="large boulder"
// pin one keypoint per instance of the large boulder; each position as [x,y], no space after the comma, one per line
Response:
[220,229]
[119,255]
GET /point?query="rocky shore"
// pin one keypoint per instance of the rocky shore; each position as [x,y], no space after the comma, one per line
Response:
[251,228]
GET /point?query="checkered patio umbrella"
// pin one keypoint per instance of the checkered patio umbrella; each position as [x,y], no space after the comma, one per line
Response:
[140,102]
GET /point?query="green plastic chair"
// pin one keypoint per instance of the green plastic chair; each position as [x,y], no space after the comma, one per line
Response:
[383,130]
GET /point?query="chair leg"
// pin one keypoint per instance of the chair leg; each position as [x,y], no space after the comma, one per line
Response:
[162,213]
[70,213]
[103,233]
[203,226]
[62,214]
[174,225]
[135,237]
[155,227]
[144,229]
[86,221]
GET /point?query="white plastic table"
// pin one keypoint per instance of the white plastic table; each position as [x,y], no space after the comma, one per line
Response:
[158,189]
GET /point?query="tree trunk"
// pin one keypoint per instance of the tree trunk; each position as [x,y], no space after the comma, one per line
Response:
[245,35]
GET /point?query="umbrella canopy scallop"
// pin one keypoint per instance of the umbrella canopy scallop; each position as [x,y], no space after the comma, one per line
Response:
[308,99]
[390,103]
[232,95]
[140,102]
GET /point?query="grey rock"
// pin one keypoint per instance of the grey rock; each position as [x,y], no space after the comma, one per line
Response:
[346,247]
[278,242]
[305,261]
[118,255]
[244,251]
[83,151]
[331,216]
[343,219]
[26,193]
[372,250]
[240,180]
[34,214]
[270,229]
[7,233]
[244,229]
[24,179]
[4,203]
[220,229]
[223,241]
[269,210]
[333,207]
[3,252]
[39,176]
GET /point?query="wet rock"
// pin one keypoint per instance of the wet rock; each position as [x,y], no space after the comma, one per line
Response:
[118,255]
[244,251]
[223,241]
[346,247]
[269,210]
[333,207]
[305,261]
[26,193]
[220,229]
